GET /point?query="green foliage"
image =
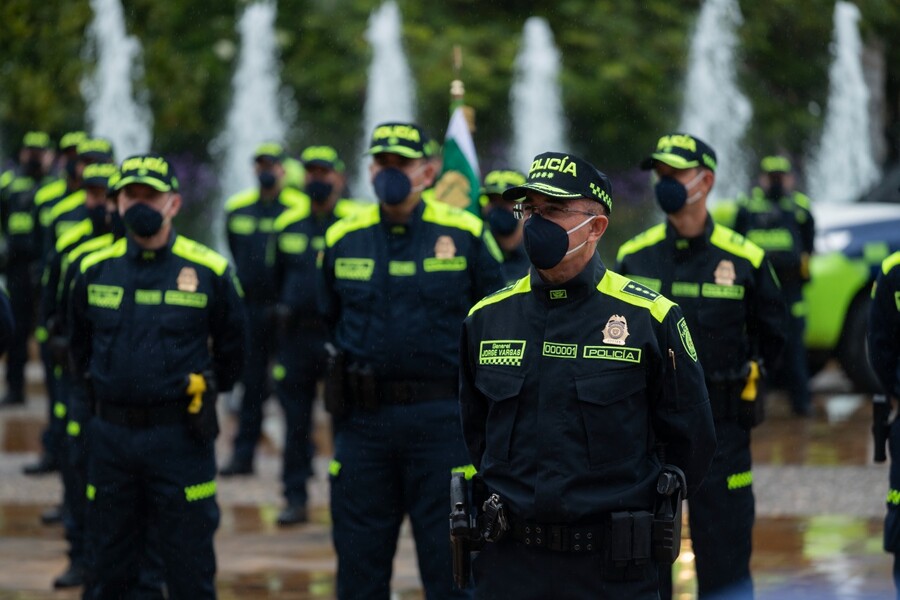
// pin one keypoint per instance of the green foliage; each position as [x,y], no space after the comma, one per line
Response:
[623,62]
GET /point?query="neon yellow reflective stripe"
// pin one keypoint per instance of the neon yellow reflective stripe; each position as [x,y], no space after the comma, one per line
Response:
[200,254]
[20,223]
[68,204]
[686,289]
[241,200]
[406,268]
[725,292]
[361,219]
[116,250]
[295,213]
[279,372]
[201,491]
[51,191]
[74,234]
[468,470]
[357,269]
[433,265]
[59,410]
[242,225]
[334,468]
[189,299]
[736,244]
[740,480]
[293,243]
[522,286]
[450,216]
[771,239]
[491,244]
[105,296]
[651,237]
[624,289]
[73,428]
[148,297]
[890,262]
[90,492]
[893,497]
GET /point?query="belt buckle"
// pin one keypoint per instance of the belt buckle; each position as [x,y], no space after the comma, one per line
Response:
[557,539]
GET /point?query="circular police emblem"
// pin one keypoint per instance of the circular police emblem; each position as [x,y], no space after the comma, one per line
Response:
[616,331]
[187,280]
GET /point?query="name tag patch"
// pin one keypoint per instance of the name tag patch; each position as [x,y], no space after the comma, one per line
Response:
[501,352]
[555,350]
[619,353]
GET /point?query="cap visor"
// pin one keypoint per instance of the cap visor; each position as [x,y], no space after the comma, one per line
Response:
[673,160]
[514,193]
[156,184]
[319,163]
[399,150]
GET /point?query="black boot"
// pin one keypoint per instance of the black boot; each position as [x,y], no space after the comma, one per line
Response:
[293,514]
[45,464]
[73,577]
[52,515]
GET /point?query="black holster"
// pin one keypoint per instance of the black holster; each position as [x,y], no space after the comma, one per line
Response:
[335,390]
[465,534]
[202,420]
[670,489]
[881,425]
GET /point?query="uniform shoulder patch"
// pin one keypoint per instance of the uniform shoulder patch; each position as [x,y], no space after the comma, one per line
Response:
[645,239]
[200,254]
[686,340]
[641,291]
[734,243]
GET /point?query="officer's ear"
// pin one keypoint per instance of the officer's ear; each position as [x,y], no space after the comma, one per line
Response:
[174,205]
[598,228]
[429,172]
[708,181]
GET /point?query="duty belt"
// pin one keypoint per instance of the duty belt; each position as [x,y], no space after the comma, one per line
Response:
[559,538]
[142,417]
[413,391]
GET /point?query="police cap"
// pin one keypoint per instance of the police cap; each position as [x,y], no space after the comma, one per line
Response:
[71,139]
[404,139]
[322,156]
[566,177]
[775,164]
[98,174]
[681,151]
[269,150]
[149,169]
[95,149]
[38,140]
[497,181]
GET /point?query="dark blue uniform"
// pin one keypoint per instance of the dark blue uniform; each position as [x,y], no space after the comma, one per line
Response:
[250,223]
[785,229]
[394,297]
[884,354]
[735,311]
[299,237]
[141,322]
[563,418]
[17,222]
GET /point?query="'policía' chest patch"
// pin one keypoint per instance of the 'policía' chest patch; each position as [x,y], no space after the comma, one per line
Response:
[501,352]
[616,331]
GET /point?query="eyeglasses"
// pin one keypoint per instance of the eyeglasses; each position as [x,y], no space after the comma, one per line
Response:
[548,211]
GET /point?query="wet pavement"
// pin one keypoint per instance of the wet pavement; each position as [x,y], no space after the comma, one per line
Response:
[820,503]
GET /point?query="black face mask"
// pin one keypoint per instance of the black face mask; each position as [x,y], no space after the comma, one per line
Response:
[116,224]
[775,191]
[267,180]
[34,168]
[392,186]
[547,243]
[143,221]
[97,215]
[319,191]
[502,222]
[671,195]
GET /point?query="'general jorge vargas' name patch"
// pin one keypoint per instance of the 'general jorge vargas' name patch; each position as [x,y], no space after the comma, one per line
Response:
[501,352]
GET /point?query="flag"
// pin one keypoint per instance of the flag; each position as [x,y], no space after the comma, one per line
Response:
[460,181]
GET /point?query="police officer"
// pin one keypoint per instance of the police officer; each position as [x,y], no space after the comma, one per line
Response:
[17,189]
[570,380]
[884,355]
[68,182]
[156,327]
[733,306]
[398,278]
[299,237]
[250,219]
[777,218]
[506,229]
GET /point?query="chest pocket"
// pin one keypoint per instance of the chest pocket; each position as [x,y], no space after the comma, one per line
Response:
[500,388]
[721,319]
[107,328]
[184,331]
[613,409]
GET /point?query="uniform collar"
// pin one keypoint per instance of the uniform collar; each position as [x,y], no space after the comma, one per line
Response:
[684,247]
[137,253]
[403,228]
[580,286]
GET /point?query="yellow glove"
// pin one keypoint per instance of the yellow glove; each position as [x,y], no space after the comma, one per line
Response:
[748,394]
[195,389]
